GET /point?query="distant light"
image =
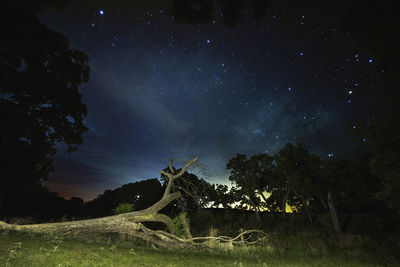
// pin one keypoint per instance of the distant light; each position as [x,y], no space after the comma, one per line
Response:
[356,84]
[350,92]
[356,55]
[301,54]
[101,12]
[330,155]
[354,126]
[349,101]
[364,140]
[208,41]
[290,88]
[370,60]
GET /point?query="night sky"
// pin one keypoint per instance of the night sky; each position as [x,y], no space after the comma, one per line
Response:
[161,90]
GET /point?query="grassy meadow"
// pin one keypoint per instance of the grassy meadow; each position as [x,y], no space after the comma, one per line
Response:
[27,249]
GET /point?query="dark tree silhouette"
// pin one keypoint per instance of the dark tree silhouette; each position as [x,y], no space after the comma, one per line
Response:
[196,192]
[384,156]
[141,194]
[376,24]
[40,104]
[253,178]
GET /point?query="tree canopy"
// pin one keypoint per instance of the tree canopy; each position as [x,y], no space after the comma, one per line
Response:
[40,103]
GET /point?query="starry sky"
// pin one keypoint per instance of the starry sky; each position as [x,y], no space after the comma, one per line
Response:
[161,90]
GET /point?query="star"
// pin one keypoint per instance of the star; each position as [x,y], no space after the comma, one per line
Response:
[246,77]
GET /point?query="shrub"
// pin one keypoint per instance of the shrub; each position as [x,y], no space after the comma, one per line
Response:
[181,223]
[123,208]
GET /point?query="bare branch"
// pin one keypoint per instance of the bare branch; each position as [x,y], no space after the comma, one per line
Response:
[172,177]
[166,173]
[170,166]
[184,168]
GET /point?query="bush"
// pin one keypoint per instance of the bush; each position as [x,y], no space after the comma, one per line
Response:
[180,221]
[123,208]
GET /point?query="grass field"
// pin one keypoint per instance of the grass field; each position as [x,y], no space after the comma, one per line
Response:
[24,249]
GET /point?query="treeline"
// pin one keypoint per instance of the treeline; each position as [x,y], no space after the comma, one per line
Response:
[326,192]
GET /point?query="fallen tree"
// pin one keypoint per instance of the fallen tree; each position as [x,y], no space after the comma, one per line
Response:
[130,224]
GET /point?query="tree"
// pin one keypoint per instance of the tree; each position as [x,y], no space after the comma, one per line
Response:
[141,194]
[316,186]
[252,178]
[384,156]
[39,100]
[377,28]
[298,170]
[130,223]
[221,195]
[196,192]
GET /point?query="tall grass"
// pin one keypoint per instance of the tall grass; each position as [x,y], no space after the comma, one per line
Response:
[303,249]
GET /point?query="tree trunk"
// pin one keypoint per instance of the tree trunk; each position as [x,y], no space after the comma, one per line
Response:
[304,204]
[127,223]
[332,211]
[256,211]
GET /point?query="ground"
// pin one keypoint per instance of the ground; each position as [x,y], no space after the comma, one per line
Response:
[24,249]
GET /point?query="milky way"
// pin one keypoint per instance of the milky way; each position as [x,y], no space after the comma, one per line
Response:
[160,90]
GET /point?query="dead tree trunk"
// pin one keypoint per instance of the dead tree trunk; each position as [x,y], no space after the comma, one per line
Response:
[130,223]
[127,223]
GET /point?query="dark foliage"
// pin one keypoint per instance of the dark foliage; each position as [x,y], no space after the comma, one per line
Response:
[196,192]
[141,194]
[40,104]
